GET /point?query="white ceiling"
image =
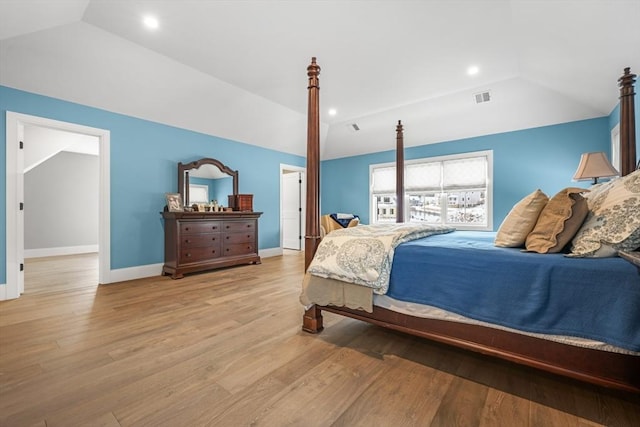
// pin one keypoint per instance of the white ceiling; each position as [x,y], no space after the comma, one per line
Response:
[237,69]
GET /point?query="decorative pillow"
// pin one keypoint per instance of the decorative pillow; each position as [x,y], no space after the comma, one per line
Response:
[594,191]
[613,221]
[520,220]
[558,222]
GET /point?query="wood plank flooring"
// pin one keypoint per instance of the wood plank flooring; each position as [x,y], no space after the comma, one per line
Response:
[225,349]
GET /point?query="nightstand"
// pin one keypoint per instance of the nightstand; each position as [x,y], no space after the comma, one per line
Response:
[633,257]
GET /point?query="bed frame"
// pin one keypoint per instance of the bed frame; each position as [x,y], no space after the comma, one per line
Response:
[613,370]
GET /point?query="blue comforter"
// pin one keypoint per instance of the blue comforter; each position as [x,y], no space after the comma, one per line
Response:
[463,272]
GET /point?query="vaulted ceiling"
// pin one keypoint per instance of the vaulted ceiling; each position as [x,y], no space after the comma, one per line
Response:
[237,69]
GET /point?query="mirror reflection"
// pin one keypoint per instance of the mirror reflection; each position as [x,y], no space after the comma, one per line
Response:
[204,180]
[209,183]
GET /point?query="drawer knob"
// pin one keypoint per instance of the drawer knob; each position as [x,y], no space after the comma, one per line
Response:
[188,255]
[187,241]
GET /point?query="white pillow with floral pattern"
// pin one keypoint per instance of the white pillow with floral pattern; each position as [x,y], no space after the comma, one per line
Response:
[613,222]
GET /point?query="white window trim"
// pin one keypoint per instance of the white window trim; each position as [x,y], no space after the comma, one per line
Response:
[615,147]
[487,153]
[205,188]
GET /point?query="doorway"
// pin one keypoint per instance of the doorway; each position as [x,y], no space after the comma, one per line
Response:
[292,207]
[15,164]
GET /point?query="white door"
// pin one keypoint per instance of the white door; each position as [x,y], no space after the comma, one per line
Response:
[292,211]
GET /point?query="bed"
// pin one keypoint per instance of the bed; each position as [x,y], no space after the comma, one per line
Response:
[593,345]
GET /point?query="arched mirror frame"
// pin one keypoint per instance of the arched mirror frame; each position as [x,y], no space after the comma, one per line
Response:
[183,175]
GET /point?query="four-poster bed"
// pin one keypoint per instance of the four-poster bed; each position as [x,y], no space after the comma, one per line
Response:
[620,370]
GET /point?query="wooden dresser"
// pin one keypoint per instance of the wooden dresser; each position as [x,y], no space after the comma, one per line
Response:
[198,241]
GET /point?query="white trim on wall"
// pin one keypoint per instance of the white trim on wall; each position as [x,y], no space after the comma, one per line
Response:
[65,250]
[137,272]
[15,123]
[151,270]
[269,252]
[303,170]
[615,147]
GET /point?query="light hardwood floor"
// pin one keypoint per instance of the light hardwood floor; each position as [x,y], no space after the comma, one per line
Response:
[225,349]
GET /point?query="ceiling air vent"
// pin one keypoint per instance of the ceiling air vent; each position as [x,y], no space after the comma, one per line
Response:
[353,127]
[482,97]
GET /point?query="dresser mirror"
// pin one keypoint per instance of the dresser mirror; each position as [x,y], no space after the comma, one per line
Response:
[206,179]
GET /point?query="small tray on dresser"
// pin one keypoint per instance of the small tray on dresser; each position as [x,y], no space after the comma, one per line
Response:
[633,257]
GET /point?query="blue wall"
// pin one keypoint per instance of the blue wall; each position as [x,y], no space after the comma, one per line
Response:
[144,158]
[545,158]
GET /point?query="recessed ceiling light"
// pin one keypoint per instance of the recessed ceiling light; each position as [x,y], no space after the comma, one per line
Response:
[473,70]
[333,112]
[151,22]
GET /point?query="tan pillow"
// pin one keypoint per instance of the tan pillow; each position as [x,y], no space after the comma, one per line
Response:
[520,220]
[558,222]
[613,223]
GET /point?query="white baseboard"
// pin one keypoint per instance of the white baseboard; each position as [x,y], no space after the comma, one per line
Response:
[65,250]
[142,271]
[266,253]
[120,274]
[132,273]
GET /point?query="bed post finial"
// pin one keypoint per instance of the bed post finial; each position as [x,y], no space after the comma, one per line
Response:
[627,123]
[312,230]
[313,71]
[399,172]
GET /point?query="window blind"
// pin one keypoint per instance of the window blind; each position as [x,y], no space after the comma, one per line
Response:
[464,173]
[423,176]
[384,180]
[447,175]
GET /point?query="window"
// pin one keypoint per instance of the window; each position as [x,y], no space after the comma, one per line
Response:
[451,190]
[198,193]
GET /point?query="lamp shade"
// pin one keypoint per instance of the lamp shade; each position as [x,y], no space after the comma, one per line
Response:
[594,166]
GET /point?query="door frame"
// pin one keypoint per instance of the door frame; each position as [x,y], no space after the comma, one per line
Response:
[615,147]
[303,187]
[15,123]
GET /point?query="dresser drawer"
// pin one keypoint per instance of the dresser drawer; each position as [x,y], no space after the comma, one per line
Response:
[248,237]
[190,227]
[197,254]
[233,226]
[239,249]
[200,240]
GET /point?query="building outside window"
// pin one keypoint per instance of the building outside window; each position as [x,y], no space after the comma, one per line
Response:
[451,190]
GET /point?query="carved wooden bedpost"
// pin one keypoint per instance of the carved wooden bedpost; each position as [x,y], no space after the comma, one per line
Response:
[627,123]
[399,173]
[312,319]
[312,237]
